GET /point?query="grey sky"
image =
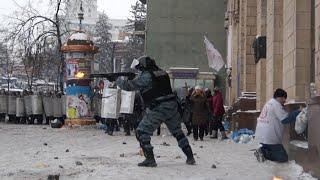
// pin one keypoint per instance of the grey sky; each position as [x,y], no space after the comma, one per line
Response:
[115,9]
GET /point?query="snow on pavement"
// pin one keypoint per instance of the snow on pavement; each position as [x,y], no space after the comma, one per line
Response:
[34,152]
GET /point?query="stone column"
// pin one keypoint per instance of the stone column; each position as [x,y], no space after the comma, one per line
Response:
[317,43]
[242,46]
[235,73]
[297,48]
[250,34]
[274,46]
[261,65]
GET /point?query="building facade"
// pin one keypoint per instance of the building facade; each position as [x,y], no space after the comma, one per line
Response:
[175,31]
[292,60]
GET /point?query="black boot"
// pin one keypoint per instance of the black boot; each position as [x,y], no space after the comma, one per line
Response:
[149,161]
[188,152]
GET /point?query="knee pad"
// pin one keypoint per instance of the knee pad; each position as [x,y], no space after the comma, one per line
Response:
[144,139]
[182,140]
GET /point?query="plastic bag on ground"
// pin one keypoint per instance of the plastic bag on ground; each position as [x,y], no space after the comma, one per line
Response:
[301,121]
[242,136]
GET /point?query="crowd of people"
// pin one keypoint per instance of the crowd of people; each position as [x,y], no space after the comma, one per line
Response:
[203,113]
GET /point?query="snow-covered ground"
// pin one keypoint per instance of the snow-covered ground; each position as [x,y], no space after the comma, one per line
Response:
[34,152]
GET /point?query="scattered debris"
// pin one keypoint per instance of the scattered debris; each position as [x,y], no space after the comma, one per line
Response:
[37,152]
[122,155]
[124,143]
[194,154]
[41,165]
[158,156]
[78,163]
[45,144]
[67,150]
[54,177]
[165,144]
[60,166]
[242,136]
[178,157]
[56,158]
[10,174]
[200,146]
[44,128]
[213,166]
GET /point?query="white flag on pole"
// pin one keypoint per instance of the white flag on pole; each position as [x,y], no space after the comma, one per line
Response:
[215,60]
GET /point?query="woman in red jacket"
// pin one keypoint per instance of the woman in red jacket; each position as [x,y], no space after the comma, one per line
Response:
[217,112]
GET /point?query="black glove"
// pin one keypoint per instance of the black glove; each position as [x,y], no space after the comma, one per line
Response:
[112,78]
[131,76]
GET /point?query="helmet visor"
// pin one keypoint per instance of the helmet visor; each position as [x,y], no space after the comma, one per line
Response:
[134,63]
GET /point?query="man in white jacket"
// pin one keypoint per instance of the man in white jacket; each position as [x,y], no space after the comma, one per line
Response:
[270,128]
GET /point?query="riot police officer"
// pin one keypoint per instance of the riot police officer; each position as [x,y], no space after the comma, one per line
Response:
[155,88]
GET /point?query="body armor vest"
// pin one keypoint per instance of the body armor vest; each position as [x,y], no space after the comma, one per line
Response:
[160,87]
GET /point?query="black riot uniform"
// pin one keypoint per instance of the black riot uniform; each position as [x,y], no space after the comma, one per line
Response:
[162,107]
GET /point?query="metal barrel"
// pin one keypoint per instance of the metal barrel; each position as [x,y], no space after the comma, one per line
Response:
[48,105]
[20,109]
[3,104]
[36,105]
[64,105]
[57,110]
[27,105]
[12,105]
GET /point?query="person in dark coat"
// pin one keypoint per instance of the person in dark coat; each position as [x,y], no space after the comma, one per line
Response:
[209,127]
[187,113]
[217,112]
[199,108]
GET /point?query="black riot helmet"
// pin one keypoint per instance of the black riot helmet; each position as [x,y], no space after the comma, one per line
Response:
[144,63]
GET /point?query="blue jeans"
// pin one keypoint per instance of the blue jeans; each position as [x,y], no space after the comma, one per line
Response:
[274,152]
